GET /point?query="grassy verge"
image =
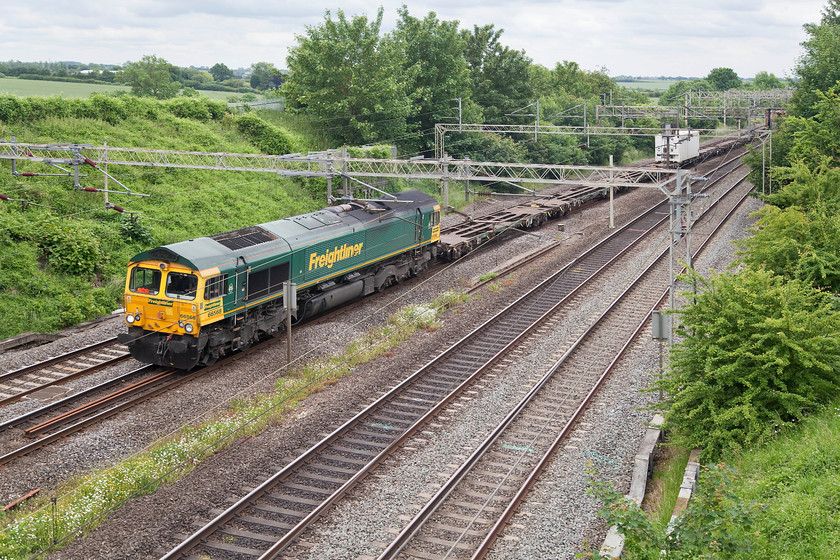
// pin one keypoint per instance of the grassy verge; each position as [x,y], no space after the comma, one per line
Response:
[665,485]
[796,479]
[87,502]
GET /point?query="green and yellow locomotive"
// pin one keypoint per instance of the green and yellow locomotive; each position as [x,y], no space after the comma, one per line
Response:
[190,303]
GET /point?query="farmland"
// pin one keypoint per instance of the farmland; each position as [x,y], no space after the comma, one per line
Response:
[43,88]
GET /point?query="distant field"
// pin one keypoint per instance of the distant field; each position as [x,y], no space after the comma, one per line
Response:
[655,85]
[42,88]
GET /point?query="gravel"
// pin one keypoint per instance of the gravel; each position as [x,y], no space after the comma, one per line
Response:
[150,525]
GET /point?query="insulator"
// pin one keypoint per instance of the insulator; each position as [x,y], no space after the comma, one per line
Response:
[90,189]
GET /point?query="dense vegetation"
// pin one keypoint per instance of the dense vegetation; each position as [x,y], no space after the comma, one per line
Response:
[755,377]
[63,255]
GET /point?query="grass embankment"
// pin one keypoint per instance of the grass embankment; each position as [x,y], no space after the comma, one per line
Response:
[63,255]
[85,503]
[795,482]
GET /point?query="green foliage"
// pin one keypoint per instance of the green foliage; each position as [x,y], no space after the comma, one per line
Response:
[221,72]
[796,480]
[135,230]
[264,75]
[817,68]
[150,76]
[267,137]
[346,74]
[723,79]
[435,71]
[196,108]
[757,353]
[500,75]
[799,244]
[716,524]
[68,247]
[766,80]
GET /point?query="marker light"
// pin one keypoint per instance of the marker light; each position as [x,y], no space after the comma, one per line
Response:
[129,319]
[189,327]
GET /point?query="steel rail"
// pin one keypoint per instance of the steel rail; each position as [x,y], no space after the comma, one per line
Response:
[31,369]
[434,504]
[224,517]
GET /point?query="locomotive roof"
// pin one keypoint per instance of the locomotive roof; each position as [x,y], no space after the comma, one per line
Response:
[284,235]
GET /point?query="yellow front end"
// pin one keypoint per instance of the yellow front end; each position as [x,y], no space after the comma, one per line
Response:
[163,303]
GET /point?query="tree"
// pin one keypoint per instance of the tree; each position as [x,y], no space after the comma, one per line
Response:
[723,79]
[757,353]
[500,75]
[765,80]
[151,76]
[221,72]
[817,69]
[264,75]
[435,72]
[343,72]
[797,243]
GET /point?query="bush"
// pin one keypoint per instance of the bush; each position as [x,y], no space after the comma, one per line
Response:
[69,248]
[267,137]
[758,352]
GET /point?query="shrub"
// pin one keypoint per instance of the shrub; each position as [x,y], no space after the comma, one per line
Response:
[267,137]
[758,352]
[69,248]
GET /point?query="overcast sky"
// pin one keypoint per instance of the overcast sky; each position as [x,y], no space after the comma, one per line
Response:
[627,37]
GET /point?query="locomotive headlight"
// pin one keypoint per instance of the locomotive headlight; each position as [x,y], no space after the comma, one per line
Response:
[189,328]
[129,319]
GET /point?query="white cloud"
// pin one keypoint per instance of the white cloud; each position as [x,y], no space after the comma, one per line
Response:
[625,36]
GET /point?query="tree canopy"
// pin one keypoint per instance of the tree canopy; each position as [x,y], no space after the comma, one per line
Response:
[723,79]
[150,76]
[818,69]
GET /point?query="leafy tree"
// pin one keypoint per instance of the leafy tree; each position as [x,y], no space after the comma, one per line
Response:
[723,79]
[794,243]
[264,75]
[764,80]
[343,72]
[716,523]
[151,76]
[435,73]
[221,72]
[500,75]
[817,69]
[758,352]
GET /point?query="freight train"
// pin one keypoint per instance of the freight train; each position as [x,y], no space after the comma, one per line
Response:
[190,303]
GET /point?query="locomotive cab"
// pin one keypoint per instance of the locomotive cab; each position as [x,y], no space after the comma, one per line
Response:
[162,310]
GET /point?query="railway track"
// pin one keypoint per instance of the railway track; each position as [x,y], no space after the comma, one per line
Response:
[471,509]
[269,518]
[77,363]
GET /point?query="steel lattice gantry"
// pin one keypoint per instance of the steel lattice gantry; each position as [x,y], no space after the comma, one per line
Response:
[329,165]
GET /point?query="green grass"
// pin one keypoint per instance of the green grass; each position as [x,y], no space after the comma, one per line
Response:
[797,480]
[44,88]
[665,484]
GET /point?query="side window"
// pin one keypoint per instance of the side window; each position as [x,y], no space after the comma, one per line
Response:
[435,218]
[145,280]
[215,287]
[181,286]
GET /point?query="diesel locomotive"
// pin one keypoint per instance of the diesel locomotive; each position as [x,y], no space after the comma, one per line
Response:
[192,302]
